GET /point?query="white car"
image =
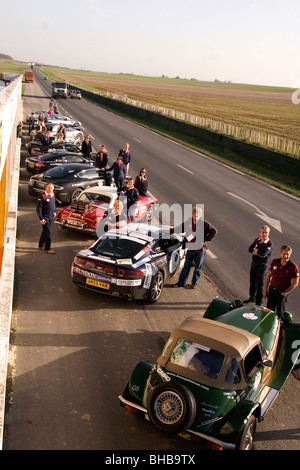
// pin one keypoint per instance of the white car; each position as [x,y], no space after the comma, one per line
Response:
[73,134]
[57,118]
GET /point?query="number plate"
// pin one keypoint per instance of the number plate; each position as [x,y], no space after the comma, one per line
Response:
[101,285]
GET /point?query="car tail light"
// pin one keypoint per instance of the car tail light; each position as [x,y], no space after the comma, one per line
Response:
[79,261]
[39,165]
[128,273]
[130,409]
[106,270]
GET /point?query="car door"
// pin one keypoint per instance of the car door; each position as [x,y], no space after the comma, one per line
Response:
[254,370]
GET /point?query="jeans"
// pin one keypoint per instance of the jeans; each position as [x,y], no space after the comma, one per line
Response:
[45,239]
[198,258]
[257,279]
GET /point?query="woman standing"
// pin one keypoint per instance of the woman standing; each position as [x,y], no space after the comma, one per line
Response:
[119,170]
[141,183]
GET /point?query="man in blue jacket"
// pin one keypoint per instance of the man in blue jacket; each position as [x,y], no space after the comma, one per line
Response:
[46,211]
[261,250]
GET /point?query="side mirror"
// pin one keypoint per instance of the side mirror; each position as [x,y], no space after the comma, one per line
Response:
[267,363]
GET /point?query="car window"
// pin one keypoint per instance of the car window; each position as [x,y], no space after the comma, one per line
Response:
[206,361]
[233,374]
[74,159]
[252,359]
[94,197]
[88,174]
[60,172]
[116,247]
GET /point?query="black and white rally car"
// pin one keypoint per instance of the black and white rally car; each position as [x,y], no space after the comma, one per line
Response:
[133,262]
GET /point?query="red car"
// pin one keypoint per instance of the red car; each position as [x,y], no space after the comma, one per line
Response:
[93,204]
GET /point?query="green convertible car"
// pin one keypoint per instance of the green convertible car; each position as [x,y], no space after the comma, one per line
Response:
[217,375]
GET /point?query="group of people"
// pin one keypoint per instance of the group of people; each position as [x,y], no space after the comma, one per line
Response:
[275,281]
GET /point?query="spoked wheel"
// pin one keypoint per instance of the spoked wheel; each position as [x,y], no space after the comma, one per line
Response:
[171,407]
[156,287]
[149,214]
[247,437]
[75,194]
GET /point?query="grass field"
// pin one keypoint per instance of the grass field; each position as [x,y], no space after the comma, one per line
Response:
[265,109]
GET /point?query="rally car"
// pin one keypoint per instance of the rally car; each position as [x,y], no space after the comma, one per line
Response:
[93,204]
[133,262]
[217,375]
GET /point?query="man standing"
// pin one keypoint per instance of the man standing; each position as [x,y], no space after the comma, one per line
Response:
[46,211]
[196,250]
[261,250]
[282,278]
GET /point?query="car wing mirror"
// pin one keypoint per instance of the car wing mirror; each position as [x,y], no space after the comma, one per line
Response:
[267,363]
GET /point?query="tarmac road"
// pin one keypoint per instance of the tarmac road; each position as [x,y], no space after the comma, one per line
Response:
[75,349]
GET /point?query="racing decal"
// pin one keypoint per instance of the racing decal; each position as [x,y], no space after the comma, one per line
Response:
[142,236]
[141,253]
[94,276]
[124,261]
[148,276]
[250,316]
[174,262]
[141,262]
[129,282]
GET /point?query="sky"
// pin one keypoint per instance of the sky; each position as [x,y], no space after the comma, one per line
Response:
[242,41]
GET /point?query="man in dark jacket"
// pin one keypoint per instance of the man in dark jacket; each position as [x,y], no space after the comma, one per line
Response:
[126,155]
[196,248]
[261,250]
[46,211]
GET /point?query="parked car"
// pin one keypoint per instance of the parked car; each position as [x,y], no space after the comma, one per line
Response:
[73,134]
[217,375]
[36,148]
[56,118]
[75,94]
[100,201]
[133,262]
[69,181]
[42,163]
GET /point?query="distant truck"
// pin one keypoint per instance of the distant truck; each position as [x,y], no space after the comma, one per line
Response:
[28,77]
[59,90]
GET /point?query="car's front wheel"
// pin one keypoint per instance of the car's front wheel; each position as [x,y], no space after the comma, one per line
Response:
[171,407]
[156,287]
[247,436]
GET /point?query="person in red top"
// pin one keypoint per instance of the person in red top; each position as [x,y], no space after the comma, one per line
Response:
[282,278]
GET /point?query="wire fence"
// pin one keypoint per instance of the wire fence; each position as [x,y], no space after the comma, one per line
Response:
[278,144]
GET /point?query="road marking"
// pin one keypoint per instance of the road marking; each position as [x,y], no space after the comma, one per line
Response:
[134,138]
[211,255]
[269,220]
[185,169]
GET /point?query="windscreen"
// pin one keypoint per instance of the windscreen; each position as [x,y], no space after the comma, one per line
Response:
[117,247]
[206,361]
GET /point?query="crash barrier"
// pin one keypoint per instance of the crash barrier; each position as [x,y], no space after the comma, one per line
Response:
[11,112]
[288,164]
